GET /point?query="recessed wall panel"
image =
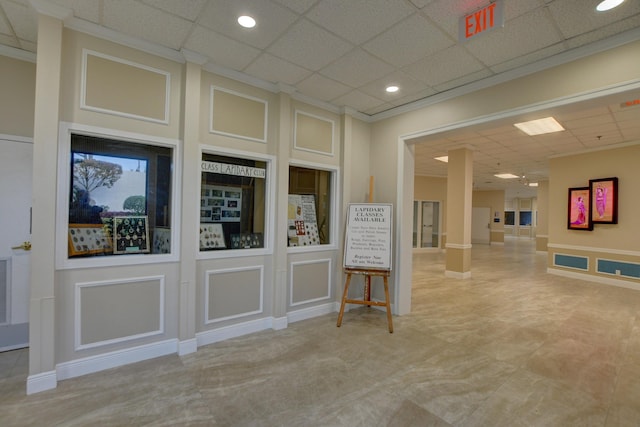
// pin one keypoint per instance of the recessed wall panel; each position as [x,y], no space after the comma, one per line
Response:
[108,312]
[238,115]
[310,281]
[124,88]
[313,133]
[233,293]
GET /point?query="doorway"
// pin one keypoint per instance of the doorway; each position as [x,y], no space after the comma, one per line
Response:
[16,159]
[426,224]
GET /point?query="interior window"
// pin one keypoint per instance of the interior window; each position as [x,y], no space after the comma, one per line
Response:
[119,197]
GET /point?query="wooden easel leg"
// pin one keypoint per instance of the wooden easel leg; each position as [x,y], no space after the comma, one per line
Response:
[344,299]
[386,295]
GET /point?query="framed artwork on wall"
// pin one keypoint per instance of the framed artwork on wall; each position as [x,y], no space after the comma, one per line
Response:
[604,200]
[130,234]
[578,216]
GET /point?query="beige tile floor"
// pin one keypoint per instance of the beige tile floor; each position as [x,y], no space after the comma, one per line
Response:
[512,346]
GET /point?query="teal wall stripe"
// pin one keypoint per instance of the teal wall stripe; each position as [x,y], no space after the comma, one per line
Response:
[579,262]
[627,269]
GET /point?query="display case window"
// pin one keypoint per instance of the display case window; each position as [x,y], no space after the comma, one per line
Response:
[309,211]
[525,218]
[509,217]
[232,203]
[119,198]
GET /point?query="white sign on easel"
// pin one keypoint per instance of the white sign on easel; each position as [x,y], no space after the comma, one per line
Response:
[368,236]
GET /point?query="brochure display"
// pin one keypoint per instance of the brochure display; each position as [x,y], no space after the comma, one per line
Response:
[367,251]
[302,220]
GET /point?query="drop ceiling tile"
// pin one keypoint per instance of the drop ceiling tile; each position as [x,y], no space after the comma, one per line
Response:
[358,20]
[378,109]
[23,21]
[187,9]
[272,69]
[309,46]
[406,83]
[360,101]
[520,36]
[588,122]
[415,96]
[84,9]
[629,113]
[357,68]
[408,41]
[226,52]
[581,113]
[610,30]
[444,66]
[272,20]
[5,28]
[11,41]
[27,45]
[298,6]
[575,17]
[527,59]
[466,79]
[322,88]
[145,22]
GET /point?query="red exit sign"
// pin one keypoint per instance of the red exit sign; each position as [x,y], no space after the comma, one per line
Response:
[482,20]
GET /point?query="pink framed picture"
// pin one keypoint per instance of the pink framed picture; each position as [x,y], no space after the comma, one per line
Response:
[604,200]
[579,207]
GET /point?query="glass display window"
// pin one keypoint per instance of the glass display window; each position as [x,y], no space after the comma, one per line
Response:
[310,206]
[233,200]
[119,197]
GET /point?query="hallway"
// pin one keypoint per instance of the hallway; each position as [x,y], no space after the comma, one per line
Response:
[512,346]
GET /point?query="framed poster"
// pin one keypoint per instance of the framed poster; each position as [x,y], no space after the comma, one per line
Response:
[220,203]
[578,217]
[604,200]
[88,239]
[368,240]
[130,234]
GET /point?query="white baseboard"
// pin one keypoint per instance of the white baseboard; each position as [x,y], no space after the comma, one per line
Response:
[457,275]
[41,382]
[233,331]
[597,279]
[311,312]
[100,362]
[187,346]
[279,323]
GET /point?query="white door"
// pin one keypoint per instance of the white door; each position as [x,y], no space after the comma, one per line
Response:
[15,235]
[480,225]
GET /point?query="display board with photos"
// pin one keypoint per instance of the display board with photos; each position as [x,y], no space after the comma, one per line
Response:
[130,234]
[220,203]
[302,222]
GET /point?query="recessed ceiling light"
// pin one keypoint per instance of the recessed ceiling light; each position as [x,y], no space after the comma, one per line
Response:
[533,184]
[392,89]
[540,126]
[442,158]
[608,5]
[246,21]
[506,175]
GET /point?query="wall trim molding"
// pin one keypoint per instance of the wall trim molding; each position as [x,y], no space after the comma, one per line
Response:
[187,346]
[457,274]
[233,331]
[596,279]
[114,359]
[311,312]
[41,382]
[594,249]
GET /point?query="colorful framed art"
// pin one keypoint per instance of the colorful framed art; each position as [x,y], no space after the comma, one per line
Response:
[604,200]
[578,216]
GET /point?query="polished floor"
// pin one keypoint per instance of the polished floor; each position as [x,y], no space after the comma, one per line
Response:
[512,346]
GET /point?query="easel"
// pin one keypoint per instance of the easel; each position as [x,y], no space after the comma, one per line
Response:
[367,300]
[368,274]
